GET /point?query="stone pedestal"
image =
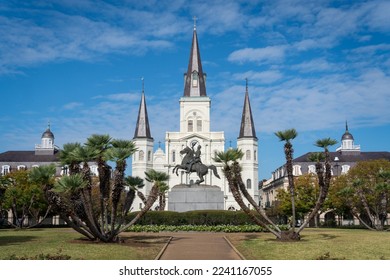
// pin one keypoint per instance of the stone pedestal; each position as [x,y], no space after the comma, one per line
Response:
[182,198]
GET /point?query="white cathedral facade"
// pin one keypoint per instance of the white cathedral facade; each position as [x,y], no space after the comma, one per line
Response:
[195,121]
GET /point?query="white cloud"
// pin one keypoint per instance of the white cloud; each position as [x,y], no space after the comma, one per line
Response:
[263,77]
[317,65]
[259,55]
[72,105]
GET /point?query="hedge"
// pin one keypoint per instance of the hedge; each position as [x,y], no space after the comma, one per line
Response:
[199,217]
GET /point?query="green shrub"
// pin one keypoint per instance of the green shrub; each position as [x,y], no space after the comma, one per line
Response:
[200,217]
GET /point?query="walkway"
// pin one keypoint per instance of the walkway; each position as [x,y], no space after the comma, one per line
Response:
[199,246]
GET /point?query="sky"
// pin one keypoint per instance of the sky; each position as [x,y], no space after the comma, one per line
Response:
[311,65]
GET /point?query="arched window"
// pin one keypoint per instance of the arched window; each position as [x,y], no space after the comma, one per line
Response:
[255,155]
[248,154]
[173,156]
[94,170]
[249,184]
[345,169]
[190,125]
[149,155]
[312,169]
[199,125]
[5,169]
[297,170]
[21,167]
[141,155]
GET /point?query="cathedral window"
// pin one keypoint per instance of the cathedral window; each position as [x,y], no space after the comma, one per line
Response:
[249,184]
[149,155]
[141,155]
[173,156]
[190,125]
[255,155]
[199,125]
[248,155]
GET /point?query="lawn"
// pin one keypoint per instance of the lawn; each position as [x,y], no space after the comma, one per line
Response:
[349,244]
[64,241]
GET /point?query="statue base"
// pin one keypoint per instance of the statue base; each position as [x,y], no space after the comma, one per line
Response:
[183,198]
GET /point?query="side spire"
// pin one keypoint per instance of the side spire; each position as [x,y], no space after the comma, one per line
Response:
[142,129]
[247,129]
[195,79]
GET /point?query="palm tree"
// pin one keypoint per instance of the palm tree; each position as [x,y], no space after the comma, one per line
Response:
[155,177]
[136,183]
[232,171]
[120,151]
[323,178]
[163,188]
[287,136]
[101,143]
[67,157]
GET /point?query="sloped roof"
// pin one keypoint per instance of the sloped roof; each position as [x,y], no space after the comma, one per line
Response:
[27,156]
[349,157]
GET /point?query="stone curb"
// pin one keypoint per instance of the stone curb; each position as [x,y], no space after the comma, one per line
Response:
[163,249]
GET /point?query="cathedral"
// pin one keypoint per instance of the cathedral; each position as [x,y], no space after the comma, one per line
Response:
[195,133]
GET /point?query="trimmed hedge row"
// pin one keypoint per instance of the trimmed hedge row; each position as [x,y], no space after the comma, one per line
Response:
[200,217]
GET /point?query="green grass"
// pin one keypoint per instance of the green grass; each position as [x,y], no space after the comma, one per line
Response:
[33,242]
[349,244]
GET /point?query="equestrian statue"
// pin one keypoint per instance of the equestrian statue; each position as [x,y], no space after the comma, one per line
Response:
[192,163]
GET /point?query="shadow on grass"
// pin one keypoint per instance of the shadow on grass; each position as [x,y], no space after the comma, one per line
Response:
[13,240]
[133,241]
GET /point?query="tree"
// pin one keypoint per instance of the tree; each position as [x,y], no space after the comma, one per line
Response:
[324,179]
[287,136]
[367,192]
[232,171]
[306,193]
[72,197]
[135,184]
[162,190]
[25,200]
[158,179]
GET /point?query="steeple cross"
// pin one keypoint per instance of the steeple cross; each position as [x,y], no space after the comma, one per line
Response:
[194,18]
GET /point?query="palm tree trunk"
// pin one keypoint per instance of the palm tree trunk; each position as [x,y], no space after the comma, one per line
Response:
[233,185]
[149,203]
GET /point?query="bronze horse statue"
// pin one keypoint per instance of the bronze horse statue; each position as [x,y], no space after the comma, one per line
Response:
[198,167]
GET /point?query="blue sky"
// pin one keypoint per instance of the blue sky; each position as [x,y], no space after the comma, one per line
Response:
[311,66]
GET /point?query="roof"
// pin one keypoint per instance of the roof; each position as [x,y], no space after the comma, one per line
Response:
[347,135]
[349,157]
[247,129]
[27,156]
[194,65]
[48,134]
[142,129]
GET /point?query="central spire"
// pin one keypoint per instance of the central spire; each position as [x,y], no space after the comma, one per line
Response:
[195,84]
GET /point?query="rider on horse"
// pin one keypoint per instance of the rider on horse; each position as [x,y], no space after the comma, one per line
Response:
[196,157]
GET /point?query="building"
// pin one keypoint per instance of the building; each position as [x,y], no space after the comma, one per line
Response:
[44,154]
[344,158]
[195,106]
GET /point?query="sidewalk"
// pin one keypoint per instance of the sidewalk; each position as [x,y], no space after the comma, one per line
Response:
[199,246]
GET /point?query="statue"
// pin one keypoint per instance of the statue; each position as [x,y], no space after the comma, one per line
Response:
[192,163]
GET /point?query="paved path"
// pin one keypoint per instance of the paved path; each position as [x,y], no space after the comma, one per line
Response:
[199,246]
